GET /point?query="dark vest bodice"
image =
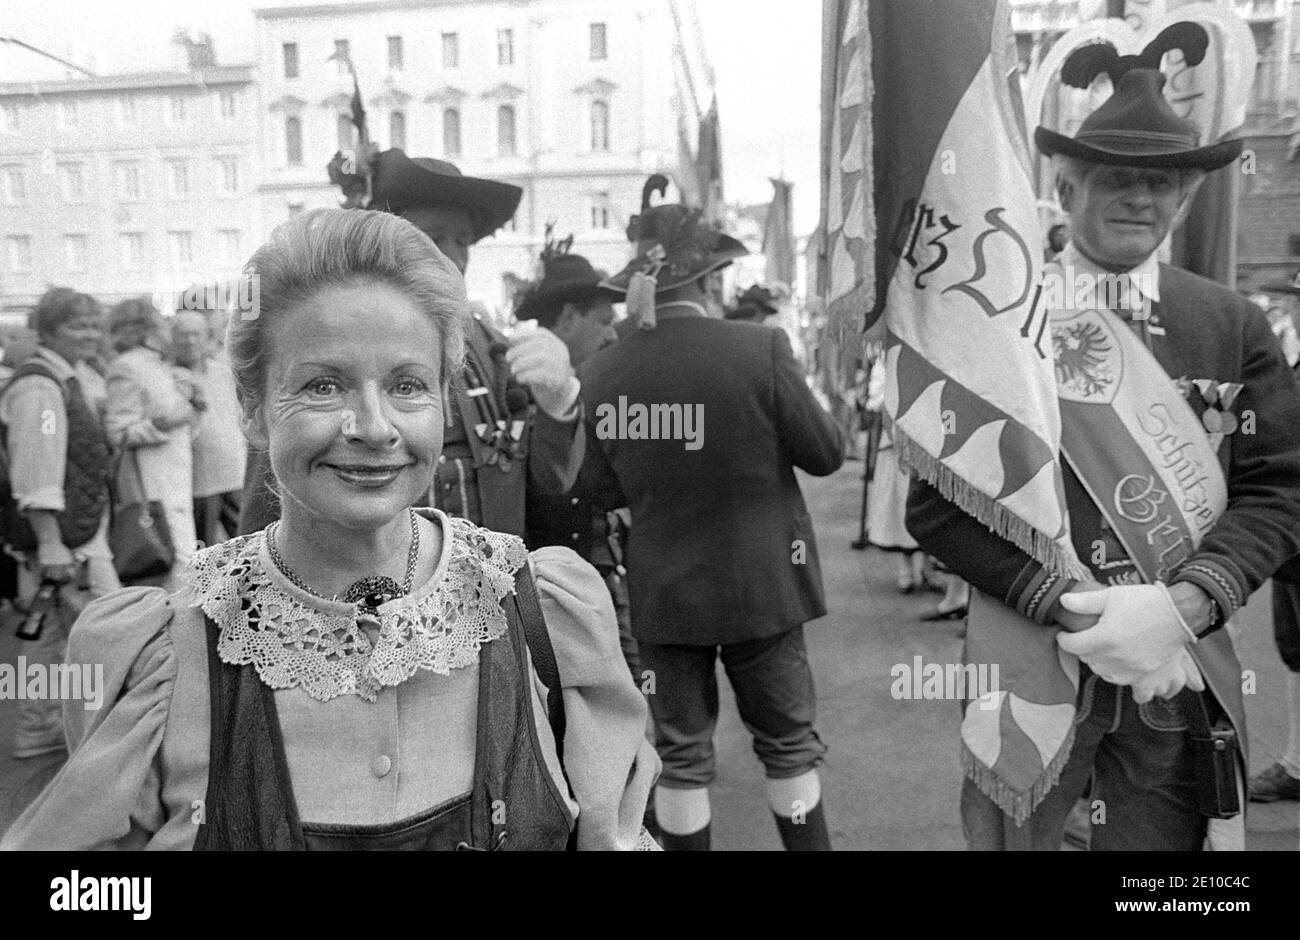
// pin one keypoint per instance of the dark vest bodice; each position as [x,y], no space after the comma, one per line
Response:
[513,804]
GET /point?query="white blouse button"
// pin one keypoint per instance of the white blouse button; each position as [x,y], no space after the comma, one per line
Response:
[381,765]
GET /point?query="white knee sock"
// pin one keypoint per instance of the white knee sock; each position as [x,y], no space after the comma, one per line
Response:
[1291,759]
[794,794]
[681,812]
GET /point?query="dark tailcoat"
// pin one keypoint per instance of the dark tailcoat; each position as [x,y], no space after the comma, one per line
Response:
[722,547]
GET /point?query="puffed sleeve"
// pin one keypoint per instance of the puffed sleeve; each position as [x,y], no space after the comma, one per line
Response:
[108,794]
[610,764]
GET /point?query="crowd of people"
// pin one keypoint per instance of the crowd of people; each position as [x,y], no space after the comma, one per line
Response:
[460,573]
[110,409]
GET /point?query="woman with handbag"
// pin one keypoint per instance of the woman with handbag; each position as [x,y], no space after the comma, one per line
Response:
[58,463]
[151,420]
[359,674]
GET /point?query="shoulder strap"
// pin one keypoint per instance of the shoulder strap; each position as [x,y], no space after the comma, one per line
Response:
[34,366]
[543,653]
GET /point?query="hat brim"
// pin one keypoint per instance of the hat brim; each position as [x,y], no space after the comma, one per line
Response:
[402,184]
[536,301]
[1212,157]
[727,250]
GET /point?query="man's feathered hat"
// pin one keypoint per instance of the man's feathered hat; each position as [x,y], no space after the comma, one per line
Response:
[1136,126]
[393,182]
[755,301]
[563,277]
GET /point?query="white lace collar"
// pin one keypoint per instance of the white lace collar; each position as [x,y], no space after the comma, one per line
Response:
[294,639]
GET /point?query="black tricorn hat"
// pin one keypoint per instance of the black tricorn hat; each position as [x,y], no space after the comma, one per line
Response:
[564,278]
[755,300]
[402,183]
[1136,126]
[673,242]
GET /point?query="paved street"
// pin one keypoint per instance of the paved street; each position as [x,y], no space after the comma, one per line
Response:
[892,775]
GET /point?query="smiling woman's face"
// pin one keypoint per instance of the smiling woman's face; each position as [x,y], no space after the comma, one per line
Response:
[352,415]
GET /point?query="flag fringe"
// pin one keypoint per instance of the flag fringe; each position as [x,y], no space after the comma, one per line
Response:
[1014,803]
[1044,549]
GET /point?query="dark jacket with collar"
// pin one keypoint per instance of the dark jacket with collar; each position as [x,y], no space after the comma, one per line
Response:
[721,547]
[1210,332]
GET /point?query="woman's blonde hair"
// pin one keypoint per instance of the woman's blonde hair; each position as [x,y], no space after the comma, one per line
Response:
[327,247]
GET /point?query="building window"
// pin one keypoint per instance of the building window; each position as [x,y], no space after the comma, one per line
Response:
[600,126]
[451,134]
[342,56]
[18,251]
[13,186]
[229,167]
[290,60]
[180,247]
[597,44]
[293,141]
[11,118]
[506,131]
[178,179]
[72,183]
[295,208]
[227,99]
[128,180]
[178,109]
[345,129]
[397,130]
[67,115]
[600,213]
[505,47]
[450,51]
[74,252]
[132,251]
[230,247]
[128,111]
[395,58]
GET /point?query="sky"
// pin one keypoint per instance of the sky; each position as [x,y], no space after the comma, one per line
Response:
[765,55]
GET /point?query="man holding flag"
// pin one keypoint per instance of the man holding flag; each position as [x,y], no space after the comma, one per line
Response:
[1180,489]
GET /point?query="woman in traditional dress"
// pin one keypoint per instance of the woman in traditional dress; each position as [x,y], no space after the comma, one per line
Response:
[359,674]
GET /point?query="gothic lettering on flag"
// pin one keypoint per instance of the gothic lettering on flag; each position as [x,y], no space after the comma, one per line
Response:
[926,145]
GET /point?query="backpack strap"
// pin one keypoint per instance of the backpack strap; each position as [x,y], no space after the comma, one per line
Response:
[543,653]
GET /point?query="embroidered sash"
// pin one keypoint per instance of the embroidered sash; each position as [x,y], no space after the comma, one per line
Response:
[1145,460]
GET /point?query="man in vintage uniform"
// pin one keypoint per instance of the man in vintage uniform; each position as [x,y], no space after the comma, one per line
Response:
[568,299]
[700,423]
[495,438]
[1182,480]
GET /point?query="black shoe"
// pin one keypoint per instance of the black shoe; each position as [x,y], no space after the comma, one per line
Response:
[957,613]
[1274,784]
[809,835]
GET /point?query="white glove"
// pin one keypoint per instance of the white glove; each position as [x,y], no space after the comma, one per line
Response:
[1170,679]
[540,360]
[1139,632]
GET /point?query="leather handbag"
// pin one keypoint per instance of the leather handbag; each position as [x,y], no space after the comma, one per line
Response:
[139,537]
